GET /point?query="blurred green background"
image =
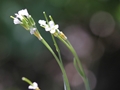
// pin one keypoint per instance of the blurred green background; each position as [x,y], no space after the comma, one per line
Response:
[93,28]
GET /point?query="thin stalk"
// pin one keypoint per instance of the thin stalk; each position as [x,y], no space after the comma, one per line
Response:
[79,63]
[67,87]
[59,63]
[82,73]
[60,58]
[57,49]
[45,17]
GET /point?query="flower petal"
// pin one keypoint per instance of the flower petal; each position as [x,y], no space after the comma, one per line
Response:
[32,30]
[42,22]
[17,21]
[23,12]
[35,84]
[56,26]
[51,23]
[47,28]
[19,16]
[31,87]
[52,31]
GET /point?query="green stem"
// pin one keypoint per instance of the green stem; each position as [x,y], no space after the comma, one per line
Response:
[65,79]
[59,55]
[82,73]
[59,63]
[81,68]
[57,49]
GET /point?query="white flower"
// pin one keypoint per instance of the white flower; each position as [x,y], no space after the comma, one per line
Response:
[42,23]
[51,27]
[17,21]
[24,12]
[33,86]
[19,16]
[47,28]
[32,30]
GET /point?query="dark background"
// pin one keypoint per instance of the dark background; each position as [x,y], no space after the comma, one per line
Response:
[93,28]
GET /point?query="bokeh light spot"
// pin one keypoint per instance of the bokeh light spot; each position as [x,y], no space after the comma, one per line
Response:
[102,24]
[75,79]
[81,41]
[73,76]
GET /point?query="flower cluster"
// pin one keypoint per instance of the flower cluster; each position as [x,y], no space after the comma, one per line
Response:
[24,19]
[52,28]
[49,27]
[20,16]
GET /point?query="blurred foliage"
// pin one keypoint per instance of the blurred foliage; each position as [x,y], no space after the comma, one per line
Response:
[21,54]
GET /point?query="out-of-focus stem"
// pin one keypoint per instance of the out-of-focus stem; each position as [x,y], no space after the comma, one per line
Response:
[83,75]
[59,63]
